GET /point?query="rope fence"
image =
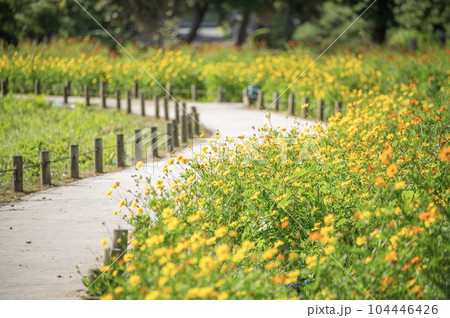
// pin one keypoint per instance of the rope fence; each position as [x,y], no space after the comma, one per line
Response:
[187,124]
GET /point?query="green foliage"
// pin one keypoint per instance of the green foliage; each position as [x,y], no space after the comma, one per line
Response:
[334,20]
[31,125]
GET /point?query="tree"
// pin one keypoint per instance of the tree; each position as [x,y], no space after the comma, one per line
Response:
[200,7]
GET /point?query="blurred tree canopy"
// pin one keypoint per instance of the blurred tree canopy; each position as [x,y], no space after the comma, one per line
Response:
[156,22]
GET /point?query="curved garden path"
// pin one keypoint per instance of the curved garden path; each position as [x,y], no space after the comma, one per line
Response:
[46,235]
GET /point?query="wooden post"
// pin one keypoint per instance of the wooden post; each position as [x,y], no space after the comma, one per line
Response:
[189,118]
[156,101]
[65,94]
[142,104]
[260,100]
[154,138]
[176,141]
[102,95]
[168,90]
[74,159]
[320,108]
[45,168]
[137,146]
[220,94]
[291,104]
[86,95]
[166,108]
[120,151]
[118,96]
[5,87]
[183,129]
[194,92]
[98,155]
[276,101]
[197,124]
[177,110]
[17,174]
[245,98]
[184,110]
[136,89]
[119,243]
[37,86]
[68,87]
[304,110]
[128,102]
[337,107]
[169,141]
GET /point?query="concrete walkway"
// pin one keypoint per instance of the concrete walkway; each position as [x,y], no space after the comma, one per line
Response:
[47,235]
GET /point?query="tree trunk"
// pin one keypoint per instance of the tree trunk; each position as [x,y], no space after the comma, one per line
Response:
[288,20]
[199,13]
[242,33]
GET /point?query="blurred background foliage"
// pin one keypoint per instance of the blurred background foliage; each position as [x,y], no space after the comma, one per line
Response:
[270,22]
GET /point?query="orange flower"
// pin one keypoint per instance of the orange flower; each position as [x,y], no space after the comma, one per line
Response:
[278,279]
[391,256]
[444,154]
[412,85]
[430,79]
[392,170]
[284,224]
[385,156]
[438,119]
[387,280]
[379,181]
[406,267]
[419,293]
[417,119]
[315,236]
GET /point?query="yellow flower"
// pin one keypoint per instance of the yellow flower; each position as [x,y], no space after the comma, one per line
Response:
[134,280]
[222,296]
[220,283]
[220,232]
[139,165]
[122,202]
[400,185]
[368,260]
[311,261]
[152,295]
[270,253]
[118,290]
[328,219]
[107,297]
[207,264]
[128,257]
[108,193]
[116,185]
[361,240]
[162,281]
[105,268]
[222,252]
[131,268]
[104,241]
